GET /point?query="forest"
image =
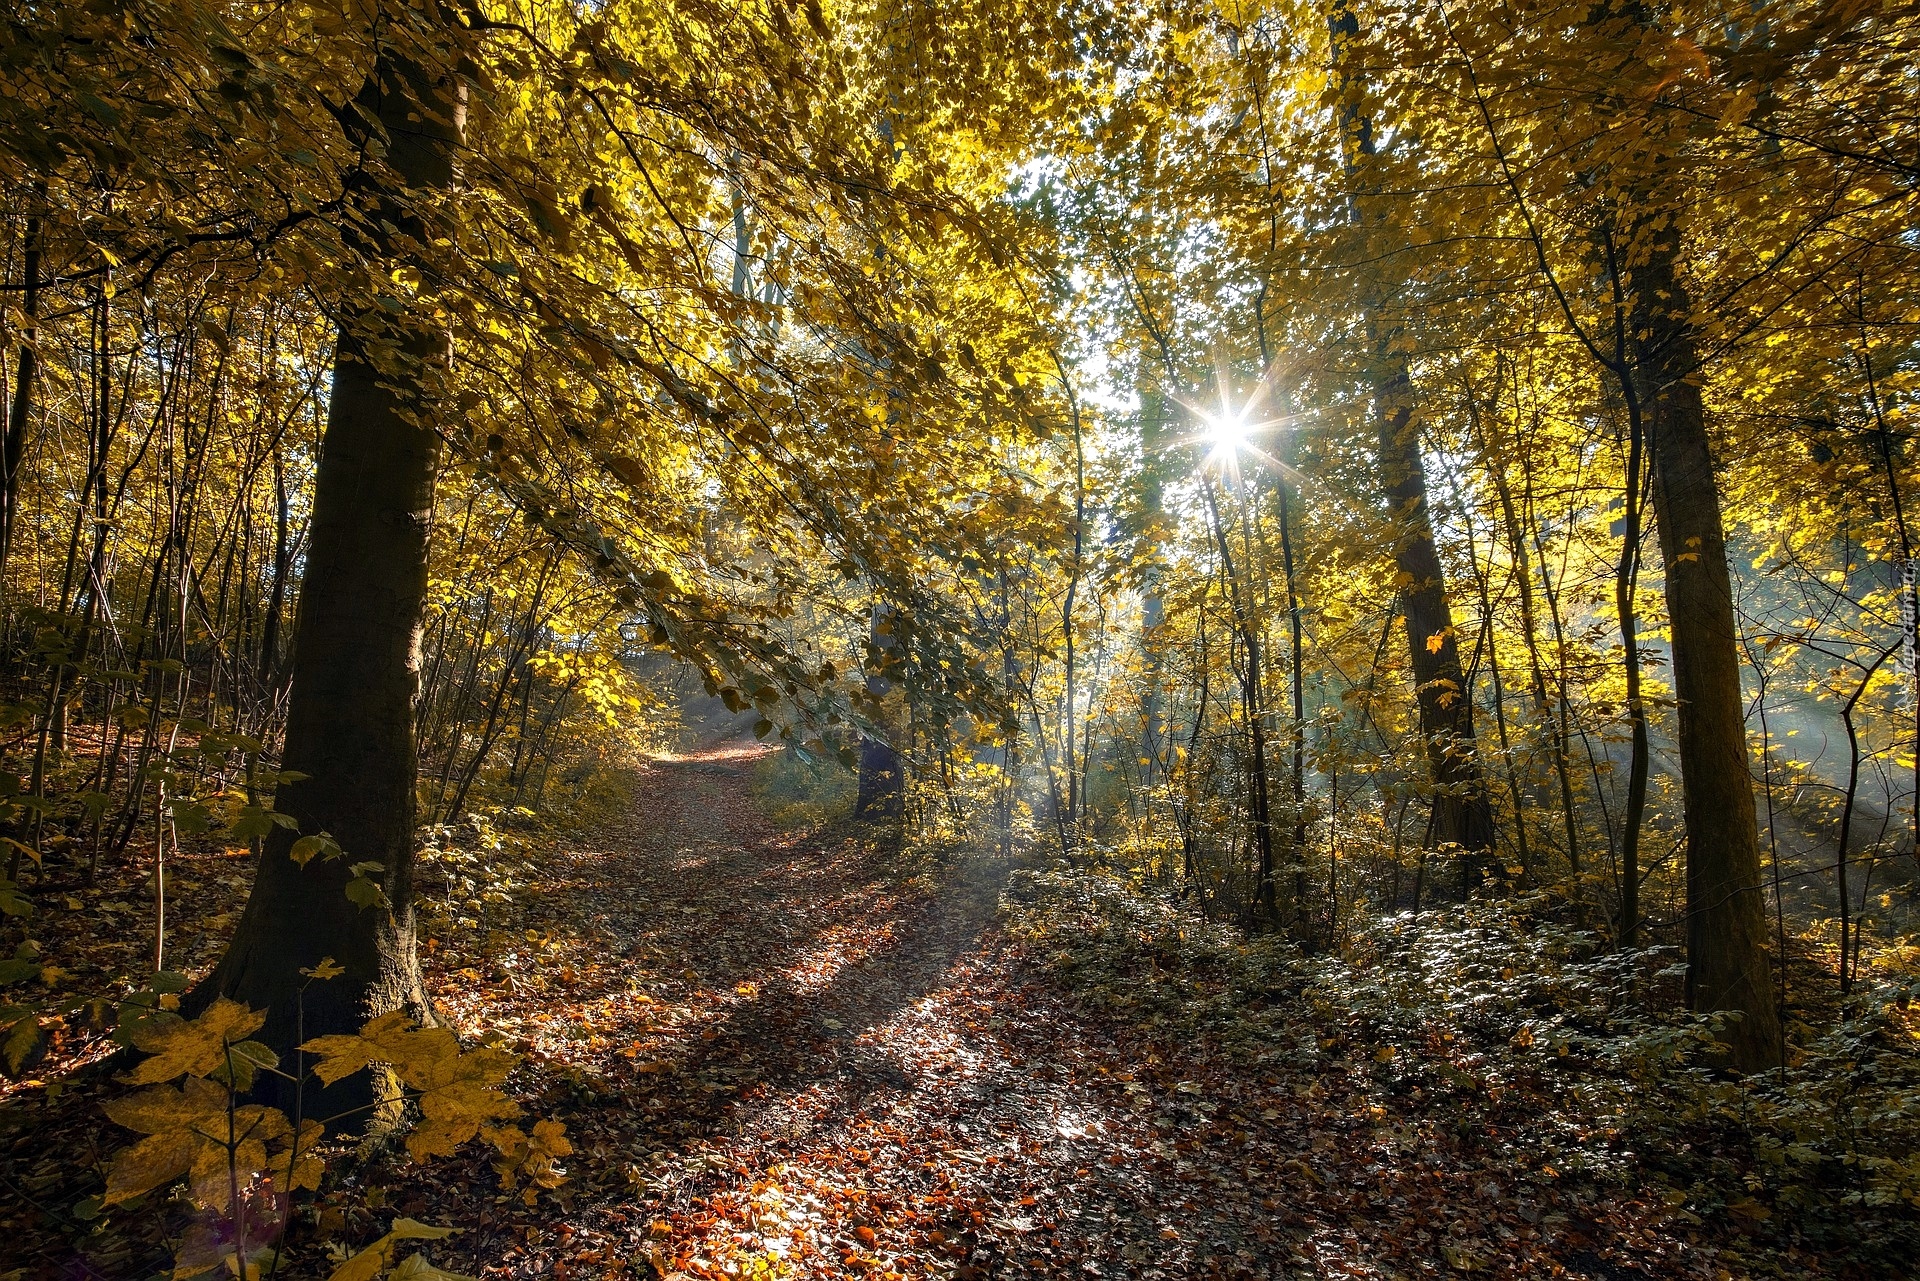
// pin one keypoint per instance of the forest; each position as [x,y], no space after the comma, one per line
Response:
[809,638]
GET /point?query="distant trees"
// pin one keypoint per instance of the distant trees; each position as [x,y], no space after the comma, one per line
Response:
[1557,282]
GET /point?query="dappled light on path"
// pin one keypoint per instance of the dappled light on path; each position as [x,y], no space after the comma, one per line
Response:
[787,1053]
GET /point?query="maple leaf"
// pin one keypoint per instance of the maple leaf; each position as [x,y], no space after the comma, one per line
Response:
[535,1156]
[197,1048]
[378,1257]
[458,1095]
[177,1123]
[391,1039]
[194,1130]
[458,1091]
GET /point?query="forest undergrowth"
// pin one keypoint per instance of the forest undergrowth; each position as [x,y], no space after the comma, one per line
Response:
[782,1047]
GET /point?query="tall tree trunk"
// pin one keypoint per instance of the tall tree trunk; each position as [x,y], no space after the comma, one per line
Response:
[1727,963]
[1462,811]
[1253,702]
[13,447]
[355,671]
[882,792]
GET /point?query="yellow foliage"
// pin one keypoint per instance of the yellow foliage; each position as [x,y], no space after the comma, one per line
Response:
[196,1130]
[534,1157]
[378,1257]
[197,1048]
[459,1091]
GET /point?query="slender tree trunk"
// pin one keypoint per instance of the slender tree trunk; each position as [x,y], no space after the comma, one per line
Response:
[1462,811]
[1555,727]
[1259,805]
[355,671]
[1727,964]
[1487,637]
[13,448]
[882,792]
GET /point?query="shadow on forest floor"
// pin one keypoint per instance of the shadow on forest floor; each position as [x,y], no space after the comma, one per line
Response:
[779,1053]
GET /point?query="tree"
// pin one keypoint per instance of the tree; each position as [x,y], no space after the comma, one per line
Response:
[350,753]
[1727,962]
[1462,810]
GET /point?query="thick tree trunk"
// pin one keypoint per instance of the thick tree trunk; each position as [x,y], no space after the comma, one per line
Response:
[355,670]
[1727,963]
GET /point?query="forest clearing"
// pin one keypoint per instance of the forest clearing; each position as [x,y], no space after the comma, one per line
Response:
[798,638]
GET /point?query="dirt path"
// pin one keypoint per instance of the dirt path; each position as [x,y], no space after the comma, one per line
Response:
[779,1054]
[779,1059]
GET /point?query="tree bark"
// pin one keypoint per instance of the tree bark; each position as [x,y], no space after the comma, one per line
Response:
[882,792]
[1727,963]
[355,669]
[13,446]
[1462,810]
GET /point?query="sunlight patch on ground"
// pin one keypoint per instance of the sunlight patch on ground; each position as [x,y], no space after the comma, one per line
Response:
[732,752]
[838,948]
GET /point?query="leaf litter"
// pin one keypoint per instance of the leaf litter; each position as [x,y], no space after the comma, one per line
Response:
[781,1053]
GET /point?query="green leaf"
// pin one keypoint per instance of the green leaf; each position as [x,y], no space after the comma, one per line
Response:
[250,822]
[319,845]
[18,970]
[23,1046]
[192,818]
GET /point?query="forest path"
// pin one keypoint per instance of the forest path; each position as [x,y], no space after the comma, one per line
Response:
[778,1055]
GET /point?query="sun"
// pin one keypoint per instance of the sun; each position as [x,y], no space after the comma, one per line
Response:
[1227,433]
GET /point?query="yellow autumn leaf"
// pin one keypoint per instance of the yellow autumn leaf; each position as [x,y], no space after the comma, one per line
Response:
[378,1257]
[192,1131]
[196,1048]
[391,1039]
[457,1091]
[535,1156]
[458,1095]
[417,1268]
[165,1108]
[181,1125]
[156,1160]
[290,1172]
[548,1144]
[366,1265]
